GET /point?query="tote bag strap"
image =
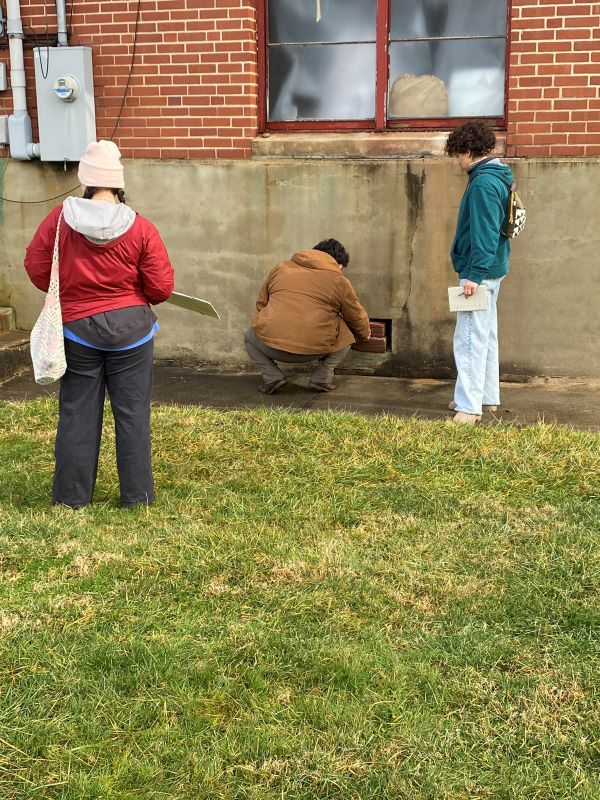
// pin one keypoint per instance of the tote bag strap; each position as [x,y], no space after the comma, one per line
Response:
[53,295]
[55,254]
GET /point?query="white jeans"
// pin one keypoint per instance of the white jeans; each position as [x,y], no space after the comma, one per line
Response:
[476,354]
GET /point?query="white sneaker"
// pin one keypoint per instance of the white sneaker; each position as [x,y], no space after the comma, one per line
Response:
[452,406]
[466,419]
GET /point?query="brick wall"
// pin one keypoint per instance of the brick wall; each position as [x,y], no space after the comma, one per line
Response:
[554,83]
[193,91]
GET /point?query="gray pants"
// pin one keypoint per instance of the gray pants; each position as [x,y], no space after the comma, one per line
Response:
[127,375]
[265,357]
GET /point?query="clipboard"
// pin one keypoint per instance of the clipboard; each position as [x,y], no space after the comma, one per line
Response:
[476,302]
[193,304]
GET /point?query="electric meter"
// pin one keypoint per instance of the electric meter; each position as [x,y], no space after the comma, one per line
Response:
[66,87]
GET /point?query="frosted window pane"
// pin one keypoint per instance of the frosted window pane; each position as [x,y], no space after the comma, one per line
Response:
[341,20]
[322,82]
[421,18]
[469,73]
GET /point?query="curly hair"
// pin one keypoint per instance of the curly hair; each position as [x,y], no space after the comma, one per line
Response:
[475,138]
[335,249]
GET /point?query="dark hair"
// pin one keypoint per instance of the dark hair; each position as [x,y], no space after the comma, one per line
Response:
[335,249]
[90,191]
[475,138]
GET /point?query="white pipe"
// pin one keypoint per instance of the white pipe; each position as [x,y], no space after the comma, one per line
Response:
[61,22]
[22,146]
[14,28]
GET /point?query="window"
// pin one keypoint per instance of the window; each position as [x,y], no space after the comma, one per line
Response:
[377,64]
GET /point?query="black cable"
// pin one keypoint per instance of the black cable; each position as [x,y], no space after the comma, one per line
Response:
[69,26]
[37,44]
[34,202]
[74,188]
[135,35]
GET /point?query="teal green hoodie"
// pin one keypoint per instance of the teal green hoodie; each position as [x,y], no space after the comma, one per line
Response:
[479,249]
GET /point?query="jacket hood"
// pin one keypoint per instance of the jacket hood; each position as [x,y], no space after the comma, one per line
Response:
[494,167]
[97,220]
[315,259]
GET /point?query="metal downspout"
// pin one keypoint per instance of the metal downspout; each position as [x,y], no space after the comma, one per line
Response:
[61,22]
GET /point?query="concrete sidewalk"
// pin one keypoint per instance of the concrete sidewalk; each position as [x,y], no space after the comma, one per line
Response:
[567,402]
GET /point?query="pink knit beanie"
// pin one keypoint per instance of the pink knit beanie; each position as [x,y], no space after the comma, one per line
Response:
[100,166]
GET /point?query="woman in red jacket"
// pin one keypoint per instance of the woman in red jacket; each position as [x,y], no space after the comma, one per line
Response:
[113,265]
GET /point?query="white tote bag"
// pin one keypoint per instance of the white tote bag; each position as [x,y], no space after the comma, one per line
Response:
[47,342]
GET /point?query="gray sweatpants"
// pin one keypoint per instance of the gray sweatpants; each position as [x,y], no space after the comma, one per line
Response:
[265,357]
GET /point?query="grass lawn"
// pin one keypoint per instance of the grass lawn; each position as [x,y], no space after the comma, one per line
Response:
[318,606]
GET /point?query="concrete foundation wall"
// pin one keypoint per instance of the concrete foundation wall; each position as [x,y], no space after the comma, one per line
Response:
[226,223]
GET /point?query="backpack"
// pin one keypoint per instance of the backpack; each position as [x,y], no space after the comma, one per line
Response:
[517,216]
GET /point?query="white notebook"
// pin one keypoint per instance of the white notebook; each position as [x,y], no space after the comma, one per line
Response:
[476,302]
[193,304]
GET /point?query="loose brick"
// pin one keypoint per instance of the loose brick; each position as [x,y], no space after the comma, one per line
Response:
[376,344]
[377,328]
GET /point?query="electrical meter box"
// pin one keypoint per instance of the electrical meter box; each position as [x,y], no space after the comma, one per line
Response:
[64,88]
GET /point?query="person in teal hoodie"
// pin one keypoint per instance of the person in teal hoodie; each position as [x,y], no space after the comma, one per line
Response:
[480,255]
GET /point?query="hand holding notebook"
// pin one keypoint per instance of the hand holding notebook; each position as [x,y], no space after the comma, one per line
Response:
[476,302]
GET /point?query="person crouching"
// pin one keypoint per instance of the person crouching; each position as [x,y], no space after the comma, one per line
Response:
[307,310]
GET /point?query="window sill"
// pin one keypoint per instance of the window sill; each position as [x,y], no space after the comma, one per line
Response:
[393,145]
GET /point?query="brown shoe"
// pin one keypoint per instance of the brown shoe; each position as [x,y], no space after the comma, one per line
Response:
[452,406]
[323,387]
[463,418]
[272,388]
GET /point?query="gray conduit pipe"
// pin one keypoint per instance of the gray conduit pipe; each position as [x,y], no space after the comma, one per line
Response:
[22,146]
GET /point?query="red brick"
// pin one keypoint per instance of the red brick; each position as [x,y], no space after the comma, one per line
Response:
[573,9]
[584,115]
[580,91]
[570,33]
[583,138]
[523,138]
[552,116]
[536,127]
[571,80]
[532,11]
[537,35]
[571,58]
[567,127]
[536,58]
[535,150]
[587,21]
[376,344]
[539,80]
[567,150]
[570,104]
[553,47]
[554,69]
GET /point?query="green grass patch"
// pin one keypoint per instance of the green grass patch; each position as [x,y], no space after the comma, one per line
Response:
[319,605]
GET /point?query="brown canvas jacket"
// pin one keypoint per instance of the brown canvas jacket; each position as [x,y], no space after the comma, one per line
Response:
[307,306]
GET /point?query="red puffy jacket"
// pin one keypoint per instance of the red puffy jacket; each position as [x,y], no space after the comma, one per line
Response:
[131,270]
